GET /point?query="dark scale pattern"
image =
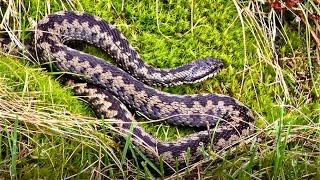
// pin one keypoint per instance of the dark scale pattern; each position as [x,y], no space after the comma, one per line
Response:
[106,87]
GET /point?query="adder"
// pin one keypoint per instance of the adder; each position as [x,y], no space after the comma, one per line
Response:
[115,92]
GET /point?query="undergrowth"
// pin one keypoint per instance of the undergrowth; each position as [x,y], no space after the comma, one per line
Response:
[270,66]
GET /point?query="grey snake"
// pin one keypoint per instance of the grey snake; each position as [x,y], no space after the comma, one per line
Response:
[115,92]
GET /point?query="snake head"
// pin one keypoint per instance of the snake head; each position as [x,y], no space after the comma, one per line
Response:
[203,69]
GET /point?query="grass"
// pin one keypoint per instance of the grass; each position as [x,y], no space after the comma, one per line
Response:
[47,133]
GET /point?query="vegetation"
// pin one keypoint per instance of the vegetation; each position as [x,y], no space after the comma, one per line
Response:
[271,65]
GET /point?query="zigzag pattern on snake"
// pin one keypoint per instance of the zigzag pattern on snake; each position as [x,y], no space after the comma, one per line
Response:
[107,88]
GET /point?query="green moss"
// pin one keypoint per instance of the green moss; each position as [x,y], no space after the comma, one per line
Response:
[31,80]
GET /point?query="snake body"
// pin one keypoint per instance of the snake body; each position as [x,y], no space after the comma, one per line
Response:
[115,93]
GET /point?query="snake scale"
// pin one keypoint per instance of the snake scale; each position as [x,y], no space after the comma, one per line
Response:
[115,92]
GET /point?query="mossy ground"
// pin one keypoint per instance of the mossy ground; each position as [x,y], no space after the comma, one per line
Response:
[168,34]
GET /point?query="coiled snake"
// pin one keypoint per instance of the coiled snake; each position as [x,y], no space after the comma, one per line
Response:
[107,88]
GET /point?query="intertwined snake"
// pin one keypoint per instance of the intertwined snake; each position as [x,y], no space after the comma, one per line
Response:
[115,93]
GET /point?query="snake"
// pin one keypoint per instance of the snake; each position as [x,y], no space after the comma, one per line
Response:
[127,89]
